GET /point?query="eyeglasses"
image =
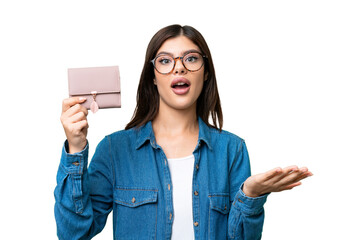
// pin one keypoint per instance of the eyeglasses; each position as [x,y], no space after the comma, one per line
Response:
[165,63]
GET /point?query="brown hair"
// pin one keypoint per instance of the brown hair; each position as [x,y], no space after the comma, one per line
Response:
[208,103]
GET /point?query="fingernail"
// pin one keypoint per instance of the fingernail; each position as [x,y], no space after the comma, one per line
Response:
[82,99]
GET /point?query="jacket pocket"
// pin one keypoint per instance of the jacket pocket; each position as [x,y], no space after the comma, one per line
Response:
[218,215]
[135,213]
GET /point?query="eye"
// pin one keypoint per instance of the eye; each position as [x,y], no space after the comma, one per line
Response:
[164,60]
[192,58]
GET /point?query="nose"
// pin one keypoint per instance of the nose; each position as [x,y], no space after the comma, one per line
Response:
[179,66]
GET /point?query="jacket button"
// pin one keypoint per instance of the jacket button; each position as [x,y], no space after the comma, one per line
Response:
[196,224]
[196,193]
[76,163]
[133,200]
[169,186]
[170,217]
[197,166]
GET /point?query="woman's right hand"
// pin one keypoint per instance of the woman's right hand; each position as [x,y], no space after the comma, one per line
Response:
[73,119]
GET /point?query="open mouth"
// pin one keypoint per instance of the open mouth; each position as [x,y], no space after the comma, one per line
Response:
[180,85]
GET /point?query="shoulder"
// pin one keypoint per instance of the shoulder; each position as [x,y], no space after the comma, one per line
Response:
[227,145]
[224,136]
[231,136]
[132,137]
[211,134]
[122,134]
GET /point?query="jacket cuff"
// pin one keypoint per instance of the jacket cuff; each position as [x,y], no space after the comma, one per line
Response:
[249,205]
[74,163]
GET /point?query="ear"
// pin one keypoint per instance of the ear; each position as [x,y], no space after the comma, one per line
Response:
[154,81]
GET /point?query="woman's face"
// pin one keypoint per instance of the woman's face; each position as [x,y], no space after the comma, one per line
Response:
[181,88]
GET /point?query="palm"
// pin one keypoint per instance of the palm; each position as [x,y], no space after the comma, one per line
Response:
[275,180]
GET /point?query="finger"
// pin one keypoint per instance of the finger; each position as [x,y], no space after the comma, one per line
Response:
[305,175]
[82,124]
[305,172]
[295,177]
[76,128]
[270,174]
[304,169]
[69,102]
[291,186]
[68,116]
[291,169]
[292,177]
[79,116]
[75,109]
[284,173]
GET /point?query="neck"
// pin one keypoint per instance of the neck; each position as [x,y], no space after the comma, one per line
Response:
[173,121]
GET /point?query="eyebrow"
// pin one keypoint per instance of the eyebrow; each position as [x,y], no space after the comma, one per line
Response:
[182,53]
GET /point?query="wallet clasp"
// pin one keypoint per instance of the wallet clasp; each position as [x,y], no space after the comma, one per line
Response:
[94,107]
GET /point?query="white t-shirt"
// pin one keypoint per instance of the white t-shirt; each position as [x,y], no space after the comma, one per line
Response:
[181,170]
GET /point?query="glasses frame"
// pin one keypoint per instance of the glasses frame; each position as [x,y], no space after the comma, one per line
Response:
[182,61]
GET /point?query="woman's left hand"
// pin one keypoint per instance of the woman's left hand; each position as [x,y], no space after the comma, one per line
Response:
[275,180]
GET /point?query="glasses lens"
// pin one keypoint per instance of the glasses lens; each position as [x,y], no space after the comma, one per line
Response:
[164,63]
[193,61]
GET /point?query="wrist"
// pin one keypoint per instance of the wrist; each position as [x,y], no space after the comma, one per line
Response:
[249,192]
[72,148]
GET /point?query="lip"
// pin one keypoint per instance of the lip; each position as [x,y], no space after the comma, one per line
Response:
[181,91]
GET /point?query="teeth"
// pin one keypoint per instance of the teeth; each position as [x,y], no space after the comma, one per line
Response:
[179,84]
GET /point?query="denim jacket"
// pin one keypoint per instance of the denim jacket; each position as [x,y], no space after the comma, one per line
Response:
[129,175]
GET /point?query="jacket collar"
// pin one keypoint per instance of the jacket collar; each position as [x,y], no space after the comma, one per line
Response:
[145,133]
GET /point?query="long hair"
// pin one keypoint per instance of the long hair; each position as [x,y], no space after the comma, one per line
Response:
[208,103]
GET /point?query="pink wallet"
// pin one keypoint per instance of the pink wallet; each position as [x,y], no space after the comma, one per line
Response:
[100,85]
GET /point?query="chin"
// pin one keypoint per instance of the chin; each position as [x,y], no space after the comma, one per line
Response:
[184,106]
[179,104]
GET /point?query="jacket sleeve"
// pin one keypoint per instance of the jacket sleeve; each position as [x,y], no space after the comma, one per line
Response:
[83,197]
[246,216]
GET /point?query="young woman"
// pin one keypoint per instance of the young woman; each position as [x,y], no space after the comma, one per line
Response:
[171,174]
